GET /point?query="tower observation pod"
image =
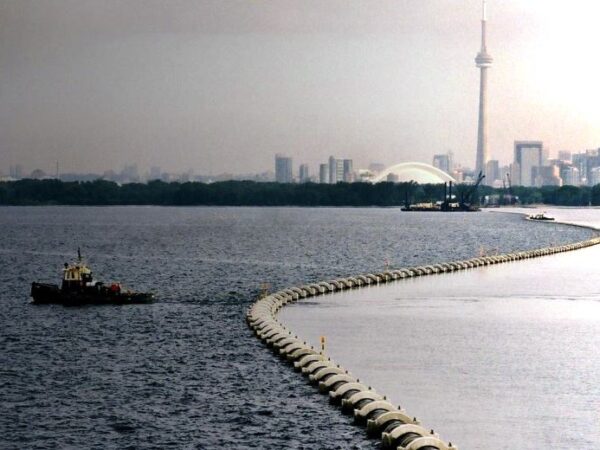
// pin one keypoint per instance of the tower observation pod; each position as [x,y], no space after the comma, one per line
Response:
[483,61]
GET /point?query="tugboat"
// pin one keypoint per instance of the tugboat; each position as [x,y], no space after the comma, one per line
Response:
[79,288]
[542,217]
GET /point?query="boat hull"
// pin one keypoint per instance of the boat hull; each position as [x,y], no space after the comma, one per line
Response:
[43,293]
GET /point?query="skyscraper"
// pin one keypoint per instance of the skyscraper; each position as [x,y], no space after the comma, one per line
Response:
[348,174]
[339,170]
[592,161]
[492,171]
[442,162]
[547,176]
[324,173]
[332,170]
[484,62]
[594,176]
[283,169]
[528,155]
[336,170]
[304,174]
[571,176]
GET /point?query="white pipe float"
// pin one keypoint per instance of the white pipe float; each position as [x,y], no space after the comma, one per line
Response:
[325,373]
[360,399]
[332,383]
[403,435]
[302,351]
[373,410]
[346,390]
[388,421]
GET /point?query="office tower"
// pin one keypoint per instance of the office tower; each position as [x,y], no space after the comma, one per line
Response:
[339,170]
[594,176]
[348,172]
[442,162]
[528,154]
[514,174]
[580,161]
[492,171]
[332,171]
[283,169]
[571,176]
[304,176]
[16,172]
[545,156]
[323,173]
[336,170]
[547,176]
[483,62]
[592,161]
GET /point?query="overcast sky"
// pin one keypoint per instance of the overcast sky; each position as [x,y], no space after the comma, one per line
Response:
[223,85]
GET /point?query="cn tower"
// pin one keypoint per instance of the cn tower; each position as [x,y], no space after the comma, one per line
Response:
[484,62]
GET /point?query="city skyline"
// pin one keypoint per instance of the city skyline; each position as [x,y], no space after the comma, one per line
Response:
[97,86]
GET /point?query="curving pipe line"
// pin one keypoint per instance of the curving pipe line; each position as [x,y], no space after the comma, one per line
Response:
[382,419]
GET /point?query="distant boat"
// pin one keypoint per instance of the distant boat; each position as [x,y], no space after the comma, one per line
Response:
[422,207]
[79,288]
[540,216]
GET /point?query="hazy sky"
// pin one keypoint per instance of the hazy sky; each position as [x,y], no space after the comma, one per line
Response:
[223,85]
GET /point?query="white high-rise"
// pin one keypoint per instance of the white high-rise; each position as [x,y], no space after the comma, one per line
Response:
[484,62]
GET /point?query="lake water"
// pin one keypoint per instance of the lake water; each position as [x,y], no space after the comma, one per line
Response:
[499,357]
[187,372]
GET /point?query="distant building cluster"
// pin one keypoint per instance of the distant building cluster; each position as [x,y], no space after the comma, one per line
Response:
[335,170]
[131,174]
[531,167]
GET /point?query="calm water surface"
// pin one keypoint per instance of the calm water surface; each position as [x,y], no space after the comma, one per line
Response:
[187,372]
[500,357]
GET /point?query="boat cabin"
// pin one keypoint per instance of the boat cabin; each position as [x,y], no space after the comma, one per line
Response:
[76,276]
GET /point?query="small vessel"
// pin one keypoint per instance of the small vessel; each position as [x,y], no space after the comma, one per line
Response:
[79,288]
[541,216]
[421,207]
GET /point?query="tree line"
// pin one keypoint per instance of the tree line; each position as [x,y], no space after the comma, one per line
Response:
[250,193]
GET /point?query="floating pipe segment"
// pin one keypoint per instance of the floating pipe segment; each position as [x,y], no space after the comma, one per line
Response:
[396,428]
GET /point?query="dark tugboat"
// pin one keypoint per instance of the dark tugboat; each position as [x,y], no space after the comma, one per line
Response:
[79,288]
[541,216]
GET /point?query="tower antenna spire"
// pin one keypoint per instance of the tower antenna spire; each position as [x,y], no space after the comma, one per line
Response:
[483,26]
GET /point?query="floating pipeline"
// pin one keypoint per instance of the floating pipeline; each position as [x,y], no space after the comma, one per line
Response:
[382,419]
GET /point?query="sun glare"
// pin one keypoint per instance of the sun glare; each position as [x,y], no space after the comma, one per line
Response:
[567,66]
